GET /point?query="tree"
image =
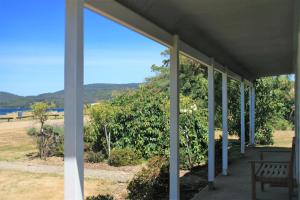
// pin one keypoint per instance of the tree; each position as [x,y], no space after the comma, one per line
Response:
[102,117]
[39,111]
[193,132]
[143,122]
[47,138]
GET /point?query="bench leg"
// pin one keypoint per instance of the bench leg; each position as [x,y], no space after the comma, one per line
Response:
[253,190]
[262,186]
[290,186]
[253,181]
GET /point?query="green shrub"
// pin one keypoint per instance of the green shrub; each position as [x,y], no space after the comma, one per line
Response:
[264,134]
[282,124]
[32,132]
[101,197]
[123,157]
[50,140]
[94,157]
[151,182]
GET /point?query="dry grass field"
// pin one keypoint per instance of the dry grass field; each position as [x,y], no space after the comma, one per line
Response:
[15,185]
[15,145]
[283,138]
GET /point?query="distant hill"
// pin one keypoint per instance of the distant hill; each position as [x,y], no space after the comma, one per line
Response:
[92,93]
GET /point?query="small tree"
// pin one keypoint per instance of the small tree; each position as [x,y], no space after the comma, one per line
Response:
[102,120]
[39,111]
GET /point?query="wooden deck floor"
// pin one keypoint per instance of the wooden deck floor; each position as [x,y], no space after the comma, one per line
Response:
[237,185]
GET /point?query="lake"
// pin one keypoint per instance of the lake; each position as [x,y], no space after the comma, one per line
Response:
[4,111]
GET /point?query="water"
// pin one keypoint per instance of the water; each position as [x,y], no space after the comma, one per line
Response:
[4,111]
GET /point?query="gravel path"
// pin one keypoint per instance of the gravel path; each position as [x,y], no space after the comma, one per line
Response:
[115,176]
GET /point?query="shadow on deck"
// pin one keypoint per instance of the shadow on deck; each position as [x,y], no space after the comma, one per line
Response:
[237,185]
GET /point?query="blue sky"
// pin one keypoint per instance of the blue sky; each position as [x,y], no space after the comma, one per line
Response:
[32,48]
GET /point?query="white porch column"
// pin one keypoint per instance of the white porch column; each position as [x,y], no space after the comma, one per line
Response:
[73,103]
[242,90]
[253,116]
[250,115]
[224,124]
[174,121]
[297,113]
[211,125]
[297,87]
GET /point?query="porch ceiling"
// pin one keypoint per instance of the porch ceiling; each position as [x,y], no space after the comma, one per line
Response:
[251,38]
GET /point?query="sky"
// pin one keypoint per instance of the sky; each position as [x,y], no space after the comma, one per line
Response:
[32,48]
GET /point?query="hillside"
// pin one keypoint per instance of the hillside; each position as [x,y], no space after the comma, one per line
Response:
[92,93]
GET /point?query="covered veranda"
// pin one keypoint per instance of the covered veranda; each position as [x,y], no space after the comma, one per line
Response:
[243,40]
[237,185]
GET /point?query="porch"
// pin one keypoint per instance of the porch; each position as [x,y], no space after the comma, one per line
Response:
[244,40]
[237,185]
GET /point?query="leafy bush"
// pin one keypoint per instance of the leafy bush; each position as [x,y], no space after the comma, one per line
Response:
[264,134]
[94,157]
[151,182]
[50,141]
[282,124]
[193,133]
[123,157]
[100,197]
[32,132]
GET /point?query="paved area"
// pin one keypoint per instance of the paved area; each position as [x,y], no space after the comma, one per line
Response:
[237,185]
[117,176]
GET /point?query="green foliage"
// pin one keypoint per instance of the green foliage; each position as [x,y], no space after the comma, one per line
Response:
[94,157]
[100,131]
[151,182]
[273,103]
[193,132]
[50,141]
[32,132]
[139,118]
[282,124]
[39,111]
[143,122]
[124,157]
[100,197]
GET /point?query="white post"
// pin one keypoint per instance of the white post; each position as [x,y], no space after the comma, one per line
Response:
[242,90]
[73,103]
[250,115]
[297,113]
[224,125]
[297,87]
[174,121]
[253,116]
[211,126]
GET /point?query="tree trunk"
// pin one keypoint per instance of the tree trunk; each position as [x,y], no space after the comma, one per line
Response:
[188,149]
[107,139]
